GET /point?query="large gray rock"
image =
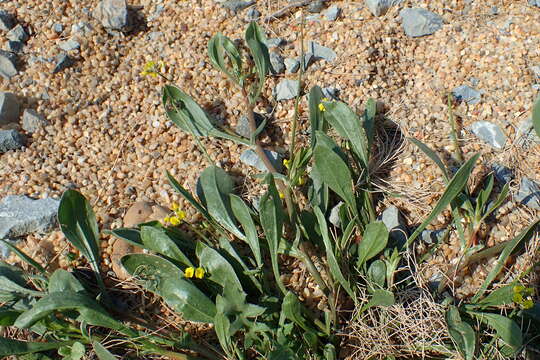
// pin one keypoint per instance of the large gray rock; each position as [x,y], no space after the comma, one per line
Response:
[432,236]
[8,64]
[332,13]
[321,52]
[237,5]
[32,121]
[113,15]
[292,65]
[526,135]
[7,21]
[14,46]
[9,108]
[420,22]
[21,215]
[502,173]
[529,193]
[17,34]
[250,157]
[274,42]
[490,133]
[395,224]
[534,3]
[286,89]
[10,140]
[306,60]
[277,65]
[315,6]
[380,7]
[468,94]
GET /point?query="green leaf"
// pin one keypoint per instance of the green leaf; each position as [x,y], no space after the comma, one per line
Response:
[218,47]
[333,170]
[76,352]
[150,270]
[217,185]
[335,269]
[101,352]
[16,347]
[219,269]
[536,116]
[157,240]
[27,259]
[348,125]
[376,274]
[13,284]
[432,155]
[509,248]
[380,297]
[79,225]
[373,242]
[256,41]
[316,118]
[222,327]
[507,329]
[176,185]
[453,189]
[461,333]
[483,195]
[242,214]
[499,297]
[292,309]
[8,317]
[62,280]
[369,121]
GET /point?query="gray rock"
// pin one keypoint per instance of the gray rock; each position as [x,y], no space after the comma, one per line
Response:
[274,42]
[331,93]
[242,127]
[249,157]
[7,21]
[9,108]
[332,13]
[529,193]
[334,215]
[534,3]
[468,94]
[253,15]
[474,81]
[502,173]
[494,10]
[81,28]
[32,121]
[69,45]
[14,46]
[113,15]
[10,140]
[286,89]
[8,64]
[61,62]
[420,22]
[306,60]
[58,28]
[536,71]
[17,34]
[490,133]
[315,6]
[321,52]
[526,135]
[157,13]
[237,5]
[277,65]
[4,250]
[432,236]
[21,215]
[395,224]
[380,7]
[154,35]
[292,65]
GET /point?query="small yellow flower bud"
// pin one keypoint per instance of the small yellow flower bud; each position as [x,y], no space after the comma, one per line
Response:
[175,206]
[175,221]
[199,273]
[189,272]
[301,180]
[281,195]
[321,107]
[167,219]
[180,215]
[286,163]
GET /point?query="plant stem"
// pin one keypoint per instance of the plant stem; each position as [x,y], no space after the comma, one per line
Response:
[297,99]
[453,133]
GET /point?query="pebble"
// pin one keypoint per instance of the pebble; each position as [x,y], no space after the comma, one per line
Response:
[331,93]
[321,52]
[395,224]
[69,45]
[274,42]
[315,6]
[14,46]
[534,3]
[242,127]
[432,236]
[237,5]
[292,65]
[334,215]
[529,193]
[420,22]
[113,15]
[58,28]
[468,94]
[10,140]
[17,34]
[332,13]
[277,65]
[253,14]
[32,121]
[526,135]
[21,215]
[502,173]
[286,89]
[8,64]
[7,21]
[250,158]
[490,133]
[82,28]
[61,62]
[9,108]
[380,7]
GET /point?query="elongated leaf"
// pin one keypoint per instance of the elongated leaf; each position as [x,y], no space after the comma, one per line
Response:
[176,185]
[506,328]
[17,347]
[373,242]
[536,116]
[13,284]
[101,352]
[432,155]
[499,297]
[150,270]
[510,247]
[256,41]
[132,236]
[335,269]
[62,280]
[216,186]
[461,332]
[222,326]
[8,317]
[348,125]
[242,214]
[333,170]
[380,297]
[453,189]
[376,274]
[316,118]
[369,121]
[78,223]
[219,269]
[218,47]
[23,256]
[293,309]
[157,240]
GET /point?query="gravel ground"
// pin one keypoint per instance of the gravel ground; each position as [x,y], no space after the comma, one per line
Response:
[108,137]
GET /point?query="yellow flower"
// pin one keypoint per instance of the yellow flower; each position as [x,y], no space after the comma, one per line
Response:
[527,304]
[301,180]
[199,273]
[167,219]
[149,69]
[281,195]
[175,206]
[321,107]
[189,272]
[180,215]
[325,99]
[286,163]
[175,221]
[522,296]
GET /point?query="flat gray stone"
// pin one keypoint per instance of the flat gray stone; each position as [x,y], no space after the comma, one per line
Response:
[431,236]
[253,15]
[61,62]
[332,13]
[315,6]
[468,94]
[490,133]
[534,3]
[321,52]
[529,193]
[249,157]
[242,127]
[286,89]
[502,173]
[380,7]
[237,5]
[277,65]
[395,224]
[17,34]
[292,65]
[14,46]
[81,28]
[274,42]
[32,121]
[306,60]
[10,140]
[58,28]
[8,64]
[331,93]
[9,108]
[7,21]
[420,22]
[113,15]
[21,215]
[69,45]
[526,135]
